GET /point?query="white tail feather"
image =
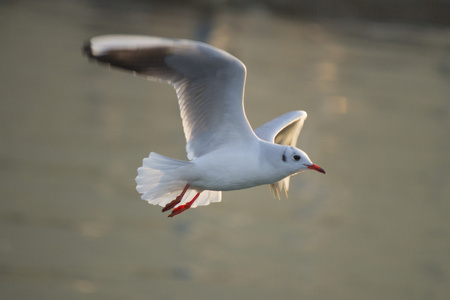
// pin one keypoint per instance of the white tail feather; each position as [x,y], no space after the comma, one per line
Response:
[159,185]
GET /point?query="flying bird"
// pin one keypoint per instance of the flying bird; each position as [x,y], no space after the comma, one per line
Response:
[224,152]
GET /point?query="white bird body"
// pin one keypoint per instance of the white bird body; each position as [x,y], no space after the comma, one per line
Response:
[232,169]
[224,152]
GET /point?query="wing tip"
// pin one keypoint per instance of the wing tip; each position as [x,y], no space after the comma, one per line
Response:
[87,49]
[302,114]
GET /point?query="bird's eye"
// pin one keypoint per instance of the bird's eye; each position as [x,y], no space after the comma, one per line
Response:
[297,157]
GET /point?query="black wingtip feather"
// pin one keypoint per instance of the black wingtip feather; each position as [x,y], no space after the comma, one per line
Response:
[146,61]
[87,50]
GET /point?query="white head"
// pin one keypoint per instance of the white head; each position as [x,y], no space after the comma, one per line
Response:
[294,160]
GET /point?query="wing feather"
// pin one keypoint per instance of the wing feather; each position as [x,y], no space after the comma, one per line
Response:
[283,130]
[209,84]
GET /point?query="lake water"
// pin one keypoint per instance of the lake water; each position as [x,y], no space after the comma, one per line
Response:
[377,226]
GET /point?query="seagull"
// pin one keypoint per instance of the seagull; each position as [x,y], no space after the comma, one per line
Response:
[223,151]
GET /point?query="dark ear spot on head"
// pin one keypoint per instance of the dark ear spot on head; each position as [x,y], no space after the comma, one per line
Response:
[284,157]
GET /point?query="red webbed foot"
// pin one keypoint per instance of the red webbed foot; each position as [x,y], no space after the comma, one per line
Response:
[177,200]
[183,207]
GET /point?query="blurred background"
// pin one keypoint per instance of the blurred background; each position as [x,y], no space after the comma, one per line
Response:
[374,77]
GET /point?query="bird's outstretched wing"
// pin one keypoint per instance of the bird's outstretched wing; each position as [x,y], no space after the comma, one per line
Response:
[283,130]
[209,84]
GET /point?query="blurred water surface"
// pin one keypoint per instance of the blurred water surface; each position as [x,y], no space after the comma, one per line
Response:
[73,133]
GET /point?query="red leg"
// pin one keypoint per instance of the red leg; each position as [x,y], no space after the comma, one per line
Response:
[177,200]
[183,207]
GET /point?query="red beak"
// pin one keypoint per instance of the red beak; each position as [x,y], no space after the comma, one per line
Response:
[317,168]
